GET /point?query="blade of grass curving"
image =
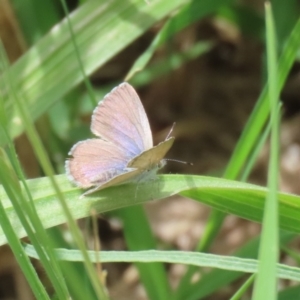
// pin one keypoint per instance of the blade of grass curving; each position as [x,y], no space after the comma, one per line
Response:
[238,198]
[265,286]
[50,68]
[228,203]
[231,263]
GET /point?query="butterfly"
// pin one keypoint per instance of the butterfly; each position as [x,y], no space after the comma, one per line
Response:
[123,150]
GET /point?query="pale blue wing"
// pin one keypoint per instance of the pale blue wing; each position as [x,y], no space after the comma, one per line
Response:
[121,119]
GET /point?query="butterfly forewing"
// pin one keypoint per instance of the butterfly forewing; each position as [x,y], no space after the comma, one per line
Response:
[151,158]
[121,119]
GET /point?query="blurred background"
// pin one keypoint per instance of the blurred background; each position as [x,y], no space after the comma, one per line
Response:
[206,79]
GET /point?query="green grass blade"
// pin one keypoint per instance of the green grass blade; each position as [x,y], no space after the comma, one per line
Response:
[241,199]
[265,283]
[242,290]
[260,113]
[181,257]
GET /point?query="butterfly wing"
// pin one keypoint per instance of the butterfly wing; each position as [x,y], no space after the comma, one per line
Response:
[152,158]
[94,162]
[139,167]
[121,119]
[124,150]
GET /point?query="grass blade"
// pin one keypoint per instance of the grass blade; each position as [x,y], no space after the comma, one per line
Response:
[265,283]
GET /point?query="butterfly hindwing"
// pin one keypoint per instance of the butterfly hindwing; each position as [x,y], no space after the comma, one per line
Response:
[94,161]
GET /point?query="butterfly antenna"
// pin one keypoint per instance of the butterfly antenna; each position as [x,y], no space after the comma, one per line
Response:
[179,161]
[176,160]
[171,131]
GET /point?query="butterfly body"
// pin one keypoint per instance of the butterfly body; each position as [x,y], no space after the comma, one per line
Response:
[123,151]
